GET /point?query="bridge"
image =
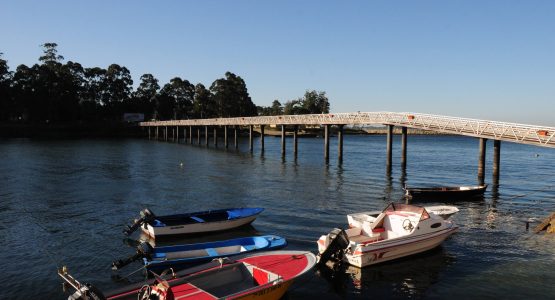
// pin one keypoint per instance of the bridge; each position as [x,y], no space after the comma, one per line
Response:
[483,129]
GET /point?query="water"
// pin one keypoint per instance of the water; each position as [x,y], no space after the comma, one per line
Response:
[65,202]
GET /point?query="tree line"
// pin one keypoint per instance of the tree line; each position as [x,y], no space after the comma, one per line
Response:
[55,92]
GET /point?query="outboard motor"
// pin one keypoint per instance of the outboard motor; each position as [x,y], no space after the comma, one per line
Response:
[338,241]
[82,291]
[143,250]
[147,216]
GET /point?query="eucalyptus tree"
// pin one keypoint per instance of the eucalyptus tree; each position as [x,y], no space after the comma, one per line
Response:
[231,97]
[117,89]
[92,95]
[5,89]
[204,105]
[176,99]
[145,95]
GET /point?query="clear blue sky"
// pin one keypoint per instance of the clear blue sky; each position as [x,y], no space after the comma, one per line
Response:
[479,59]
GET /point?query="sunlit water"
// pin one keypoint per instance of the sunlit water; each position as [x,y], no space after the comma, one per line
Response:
[66,201]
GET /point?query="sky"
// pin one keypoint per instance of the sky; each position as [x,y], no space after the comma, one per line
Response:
[490,60]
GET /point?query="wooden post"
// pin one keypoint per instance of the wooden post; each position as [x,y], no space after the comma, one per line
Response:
[149,132]
[482,160]
[166,134]
[261,138]
[327,142]
[226,141]
[191,135]
[403,147]
[177,134]
[215,136]
[235,136]
[157,133]
[295,131]
[198,135]
[340,143]
[389,145]
[185,134]
[206,136]
[282,140]
[496,161]
[250,138]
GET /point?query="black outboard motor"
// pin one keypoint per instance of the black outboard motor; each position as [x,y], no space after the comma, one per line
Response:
[143,250]
[147,216]
[82,291]
[338,244]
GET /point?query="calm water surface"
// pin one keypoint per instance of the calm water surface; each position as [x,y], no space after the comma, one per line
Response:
[65,202]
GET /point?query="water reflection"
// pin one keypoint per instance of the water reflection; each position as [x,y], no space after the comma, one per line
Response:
[405,278]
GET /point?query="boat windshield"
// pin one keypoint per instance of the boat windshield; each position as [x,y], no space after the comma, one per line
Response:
[408,208]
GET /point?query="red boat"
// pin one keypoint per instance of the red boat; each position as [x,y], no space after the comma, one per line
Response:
[266,275]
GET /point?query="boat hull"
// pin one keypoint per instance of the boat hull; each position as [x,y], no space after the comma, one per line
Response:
[380,252]
[154,231]
[446,193]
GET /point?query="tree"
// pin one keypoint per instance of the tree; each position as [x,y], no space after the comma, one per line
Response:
[178,95]
[50,55]
[5,89]
[204,105]
[145,95]
[93,90]
[316,102]
[231,97]
[276,108]
[117,89]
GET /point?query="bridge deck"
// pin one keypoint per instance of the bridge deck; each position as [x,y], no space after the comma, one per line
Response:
[504,131]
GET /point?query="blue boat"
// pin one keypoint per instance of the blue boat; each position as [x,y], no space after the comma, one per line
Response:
[193,223]
[182,256]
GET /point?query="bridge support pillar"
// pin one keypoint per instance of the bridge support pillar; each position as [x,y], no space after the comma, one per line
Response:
[250,138]
[496,161]
[226,141]
[206,136]
[157,133]
[166,134]
[191,135]
[282,140]
[235,136]
[340,143]
[295,140]
[403,147]
[389,148]
[177,134]
[198,135]
[482,160]
[185,134]
[261,138]
[149,132]
[215,136]
[327,142]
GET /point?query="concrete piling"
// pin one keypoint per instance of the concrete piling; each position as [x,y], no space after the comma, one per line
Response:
[327,142]
[340,143]
[261,138]
[482,160]
[403,147]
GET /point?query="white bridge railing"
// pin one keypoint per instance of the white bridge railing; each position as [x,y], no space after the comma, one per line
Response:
[504,131]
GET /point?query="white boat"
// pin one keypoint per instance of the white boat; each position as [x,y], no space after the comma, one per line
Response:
[356,219]
[398,231]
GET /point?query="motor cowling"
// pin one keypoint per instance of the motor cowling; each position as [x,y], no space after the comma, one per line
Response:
[147,216]
[144,249]
[338,241]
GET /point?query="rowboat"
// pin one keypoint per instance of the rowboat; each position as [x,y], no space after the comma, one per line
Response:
[192,223]
[265,275]
[356,219]
[398,231]
[158,259]
[445,192]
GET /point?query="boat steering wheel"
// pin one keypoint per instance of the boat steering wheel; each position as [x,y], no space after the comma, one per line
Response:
[407,225]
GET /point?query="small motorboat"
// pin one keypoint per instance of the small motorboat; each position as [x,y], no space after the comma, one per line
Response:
[356,219]
[159,259]
[265,275]
[445,192]
[191,223]
[398,231]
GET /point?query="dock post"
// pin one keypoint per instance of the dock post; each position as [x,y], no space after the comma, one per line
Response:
[403,147]
[215,136]
[340,143]
[389,145]
[282,140]
[261,138]
[482,160]
[327,142]
[149,132]
[206,136]
[198,135]
[166,134]
[226,141]
[250,138]
[185,134]
[235,136]
[295,139]
[191,135]
[496,161]
[177,134]
[157,135]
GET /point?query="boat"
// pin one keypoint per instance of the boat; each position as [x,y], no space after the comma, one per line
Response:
[192,223]
[264,275]
[398,231]
[356,219]
[445,192]
[158,259]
